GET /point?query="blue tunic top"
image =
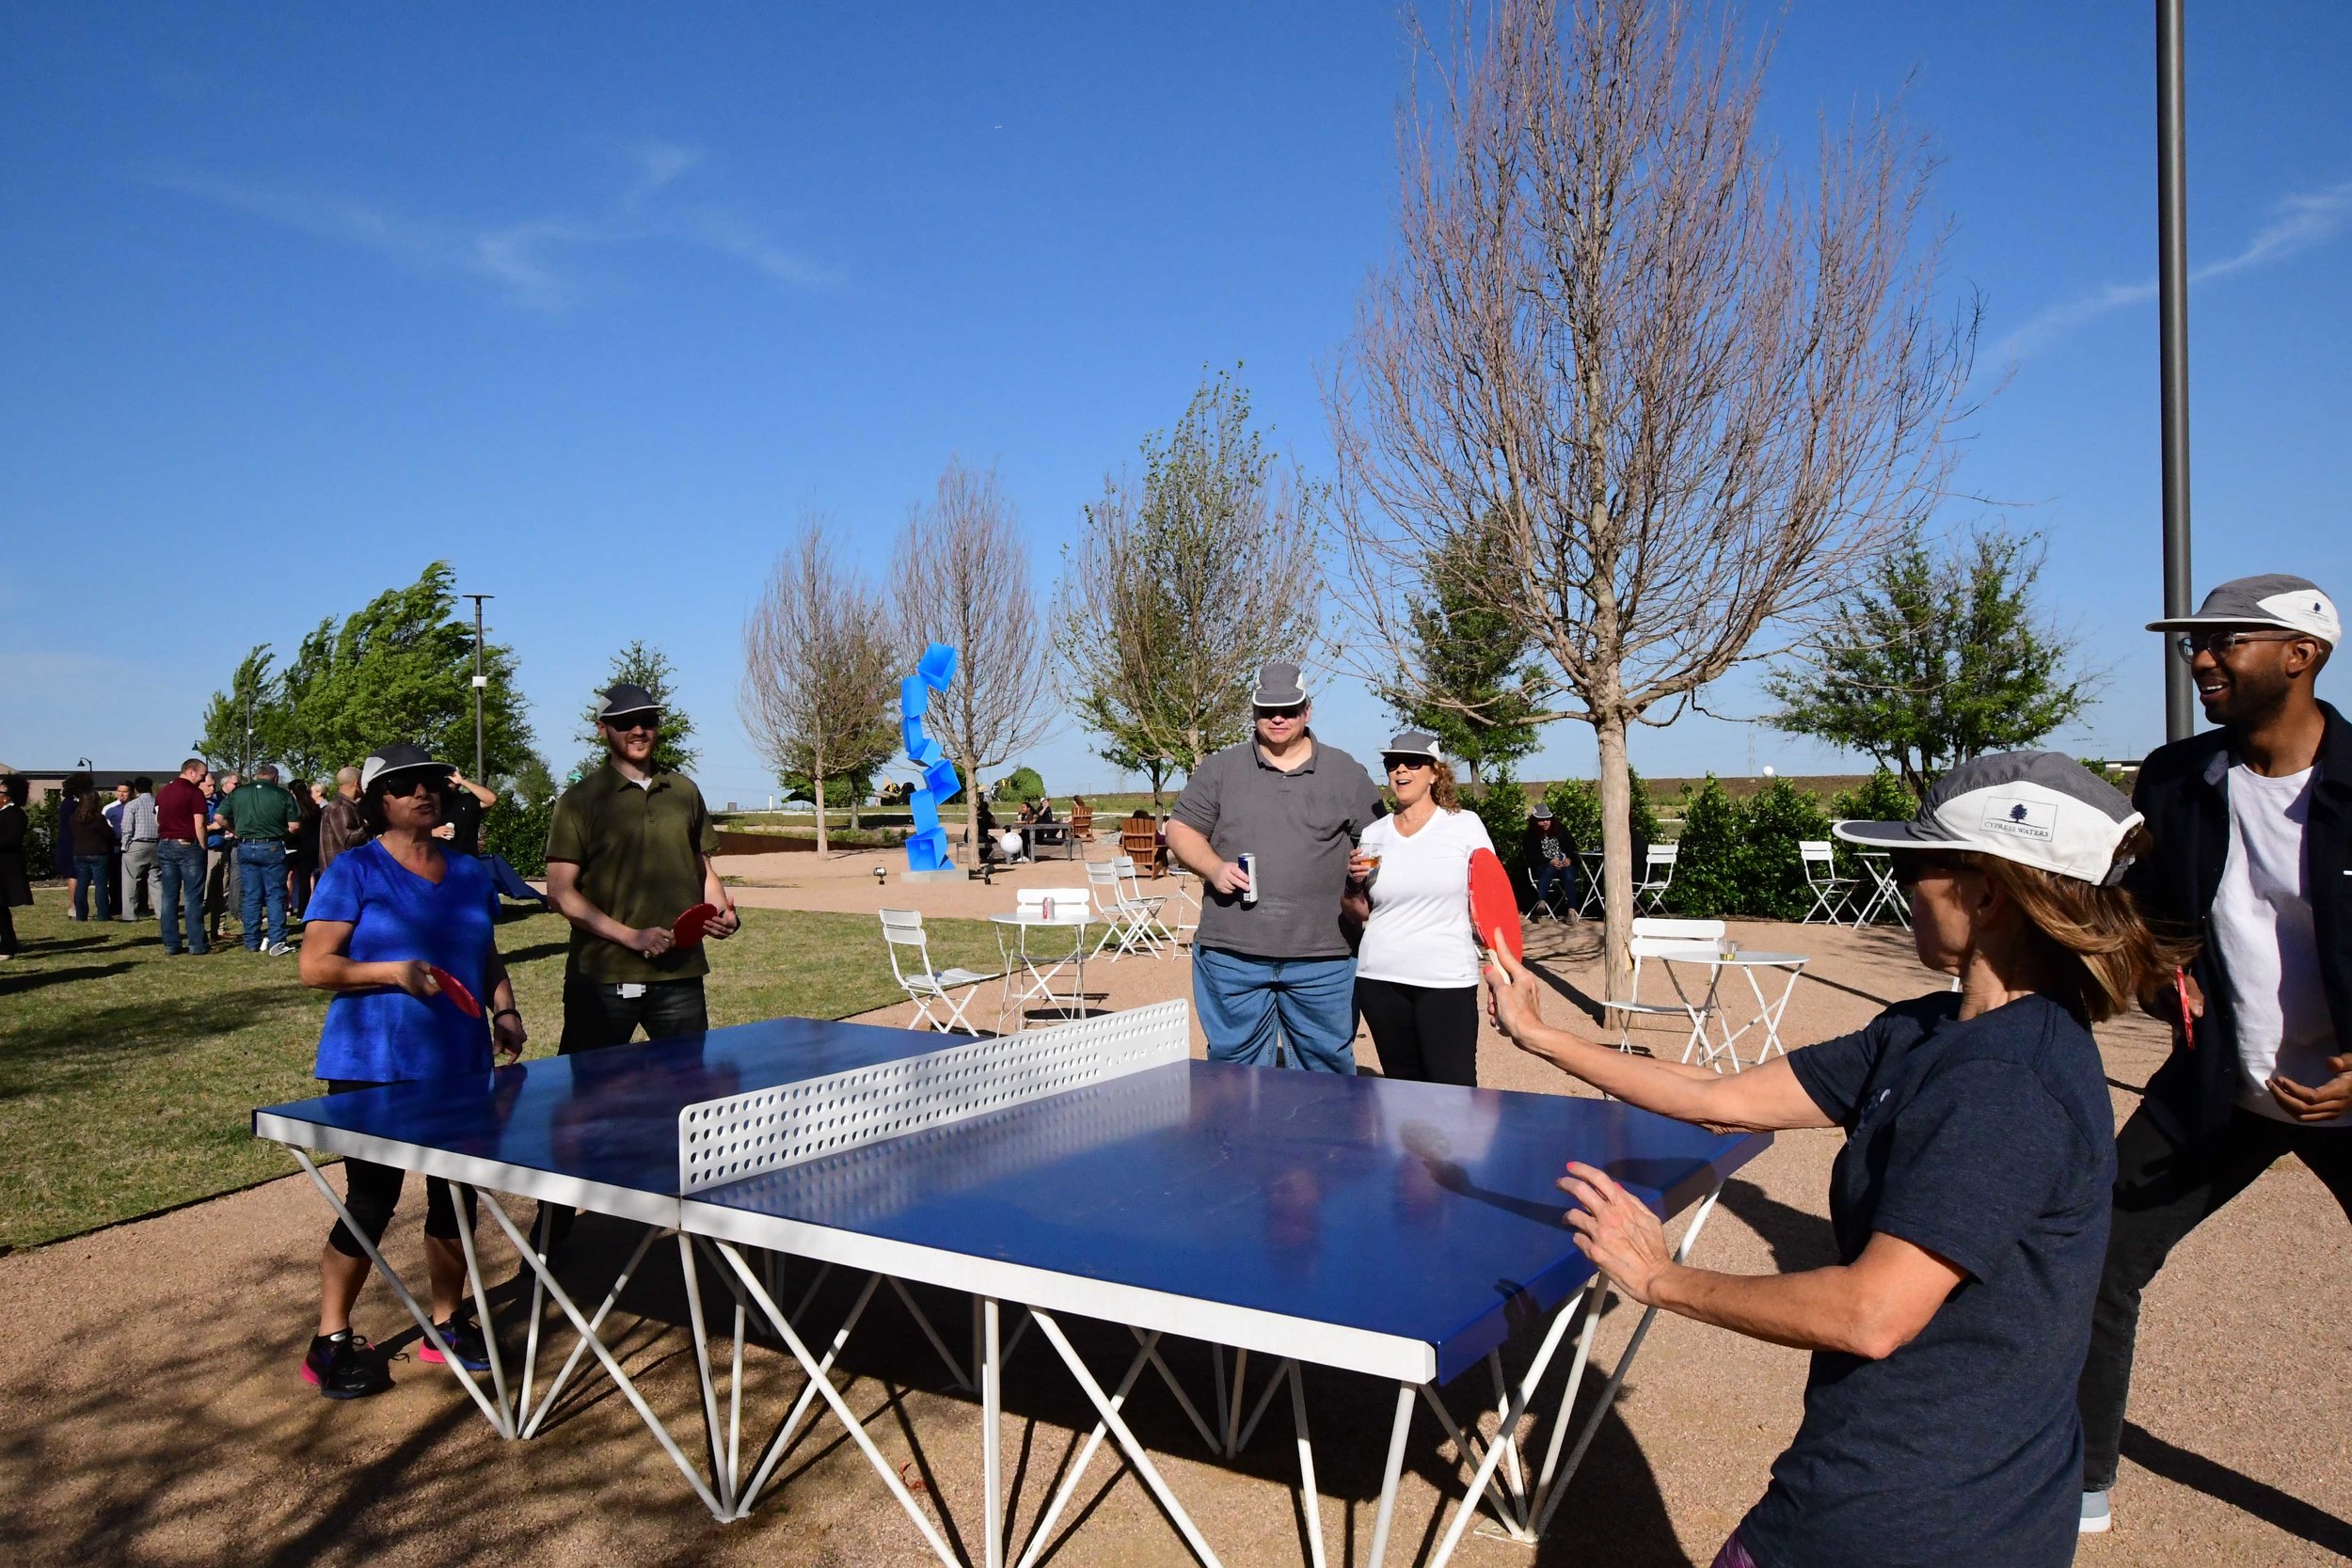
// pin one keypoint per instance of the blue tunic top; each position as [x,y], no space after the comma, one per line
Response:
[1988,1142]
[389,1036]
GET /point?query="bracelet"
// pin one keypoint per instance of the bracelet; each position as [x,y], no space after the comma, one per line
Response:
[506,1012]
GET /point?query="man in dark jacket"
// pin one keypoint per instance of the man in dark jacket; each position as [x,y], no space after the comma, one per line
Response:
[2254,830]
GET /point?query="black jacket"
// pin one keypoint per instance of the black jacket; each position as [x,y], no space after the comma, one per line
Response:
[2184,793]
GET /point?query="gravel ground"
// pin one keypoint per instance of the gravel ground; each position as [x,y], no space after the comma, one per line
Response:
[151,1411]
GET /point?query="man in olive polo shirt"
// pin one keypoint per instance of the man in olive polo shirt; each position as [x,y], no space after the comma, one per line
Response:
[627,853]
[261,816]
[1276,969]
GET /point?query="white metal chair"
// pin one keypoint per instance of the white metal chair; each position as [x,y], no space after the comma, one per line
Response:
[1042,909]
[1588,865]
[1650,938]
[1147,905]
[1651,892]
[1127,922]
[925,986]
[1187,901]
[1833,894]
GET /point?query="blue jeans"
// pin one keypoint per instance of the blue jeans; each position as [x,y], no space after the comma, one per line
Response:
[89,880]
[1250,1008]
[182,863]
[1547,876]
[262,870]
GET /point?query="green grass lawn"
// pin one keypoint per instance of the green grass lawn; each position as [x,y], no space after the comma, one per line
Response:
[127,1079]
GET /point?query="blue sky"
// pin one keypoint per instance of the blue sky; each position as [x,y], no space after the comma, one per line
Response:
[598,302]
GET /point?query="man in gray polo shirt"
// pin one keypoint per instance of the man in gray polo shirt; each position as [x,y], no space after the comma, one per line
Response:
[1271,965]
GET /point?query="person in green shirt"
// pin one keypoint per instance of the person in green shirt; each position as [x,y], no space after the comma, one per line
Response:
[627,853]
[263,817]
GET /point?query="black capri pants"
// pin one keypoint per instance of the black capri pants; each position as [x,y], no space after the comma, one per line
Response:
[1425,1033]
[372,1191]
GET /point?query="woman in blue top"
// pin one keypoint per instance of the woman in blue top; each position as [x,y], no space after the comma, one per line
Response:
[383,918]
[1969,1203]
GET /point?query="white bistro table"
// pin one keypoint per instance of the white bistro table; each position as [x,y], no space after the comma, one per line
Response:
[1708,1051]
[1021,965]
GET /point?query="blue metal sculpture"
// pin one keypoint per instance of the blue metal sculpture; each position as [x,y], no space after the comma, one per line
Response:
[926,847]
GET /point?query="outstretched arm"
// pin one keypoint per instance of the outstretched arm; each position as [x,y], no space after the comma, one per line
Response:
[1765,1098]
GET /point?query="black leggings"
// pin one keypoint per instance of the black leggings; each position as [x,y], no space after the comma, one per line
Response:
[372,1191]
[1427,1034]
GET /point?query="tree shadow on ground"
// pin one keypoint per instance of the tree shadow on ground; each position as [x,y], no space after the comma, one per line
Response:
[2242,1492]
[17,985]
[50,1058]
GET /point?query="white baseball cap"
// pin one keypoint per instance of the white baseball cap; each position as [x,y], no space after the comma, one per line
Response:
[2272,599]
[2036,808]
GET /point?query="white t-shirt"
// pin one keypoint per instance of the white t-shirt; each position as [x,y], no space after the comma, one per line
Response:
[2261,920]
[1420,929]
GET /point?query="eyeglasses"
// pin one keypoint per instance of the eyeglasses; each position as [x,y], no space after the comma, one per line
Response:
[1294,711]
[2221,644]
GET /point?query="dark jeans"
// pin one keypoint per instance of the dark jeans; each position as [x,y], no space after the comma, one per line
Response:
[2162,1192]
[262,870]
[597,1015]
[182,863]
[302,871]
[1549,877]
[1426,1033]
[7,930]
[89,887]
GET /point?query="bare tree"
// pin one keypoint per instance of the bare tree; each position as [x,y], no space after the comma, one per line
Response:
[963,580]
[1179,587]
[1697,396]
[819,671]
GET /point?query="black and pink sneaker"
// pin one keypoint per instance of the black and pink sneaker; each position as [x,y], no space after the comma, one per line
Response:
[464,1339]
[345,1368]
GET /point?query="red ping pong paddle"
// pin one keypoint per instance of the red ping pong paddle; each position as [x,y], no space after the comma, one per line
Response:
[454,989]
[2188,1020]
[688,930]
[1494,911]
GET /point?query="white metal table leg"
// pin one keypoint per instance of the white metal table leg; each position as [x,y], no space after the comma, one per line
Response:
[832,1396]
[692,1278]
[1309,1501]
[494,1414]
[1134,1450]
[580,1347]
[1398,1427]
[1510,1414]
[784,1434]
[481,1311]
[991,1438]
[1039,1536]
[544,1227]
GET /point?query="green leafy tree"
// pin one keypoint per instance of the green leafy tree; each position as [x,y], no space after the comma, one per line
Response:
[1937,660]
[1177,588]
[399,668]
[1020,787]
[1773,884]
[1471,682]
[1712,860]
[649,667]
[532,783]
[1576,808]
[1879,797]
[1501,805]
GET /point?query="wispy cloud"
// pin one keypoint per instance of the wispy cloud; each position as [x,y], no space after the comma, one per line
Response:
[539,263]
[2296,224]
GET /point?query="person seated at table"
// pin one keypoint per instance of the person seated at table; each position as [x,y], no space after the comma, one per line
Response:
[383,918]
[1969,1203]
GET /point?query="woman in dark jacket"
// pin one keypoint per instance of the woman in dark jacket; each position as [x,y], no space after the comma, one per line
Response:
[92,843]
[16,888]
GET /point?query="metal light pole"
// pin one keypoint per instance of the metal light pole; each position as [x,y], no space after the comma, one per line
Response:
[2179,708]
[480,680]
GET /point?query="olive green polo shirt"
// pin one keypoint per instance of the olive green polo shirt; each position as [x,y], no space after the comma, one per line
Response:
[260,813]
[639,848]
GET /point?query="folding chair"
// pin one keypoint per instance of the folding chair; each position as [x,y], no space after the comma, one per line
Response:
[923,985]
[1833,894]
[1589,866]
[1653,886]
[1122,919]
[1650,938]
[1147,907]
[1541,902]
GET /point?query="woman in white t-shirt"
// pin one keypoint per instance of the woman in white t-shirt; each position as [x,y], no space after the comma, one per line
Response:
[1417,970]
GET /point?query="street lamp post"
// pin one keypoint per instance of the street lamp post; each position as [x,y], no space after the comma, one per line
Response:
[480,680]
[2180,709]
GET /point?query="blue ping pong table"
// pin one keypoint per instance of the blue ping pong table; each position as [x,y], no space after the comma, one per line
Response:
[1404,1231]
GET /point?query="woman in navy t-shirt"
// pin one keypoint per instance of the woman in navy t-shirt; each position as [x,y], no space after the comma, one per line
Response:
[1969,1204]
[385,922]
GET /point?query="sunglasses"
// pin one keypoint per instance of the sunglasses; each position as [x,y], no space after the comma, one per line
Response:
[1408,764]
[2221,644]
[423,784]
[1294,712]
[629,725]
[1913,867]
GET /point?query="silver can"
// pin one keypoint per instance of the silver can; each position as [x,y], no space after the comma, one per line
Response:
[1249,864]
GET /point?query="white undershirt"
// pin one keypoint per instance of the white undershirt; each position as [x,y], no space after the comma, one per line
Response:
[1420,929]
[2262,921]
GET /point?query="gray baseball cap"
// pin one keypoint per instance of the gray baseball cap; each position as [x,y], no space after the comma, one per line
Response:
[2272,599]
[622,699]
[2036,808]
[1278,686]
[1412,743]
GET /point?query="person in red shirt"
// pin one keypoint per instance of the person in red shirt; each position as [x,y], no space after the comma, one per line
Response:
[179,856]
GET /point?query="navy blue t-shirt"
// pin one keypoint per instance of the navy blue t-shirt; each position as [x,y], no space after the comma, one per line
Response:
[1990,1143]
[388,1037]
